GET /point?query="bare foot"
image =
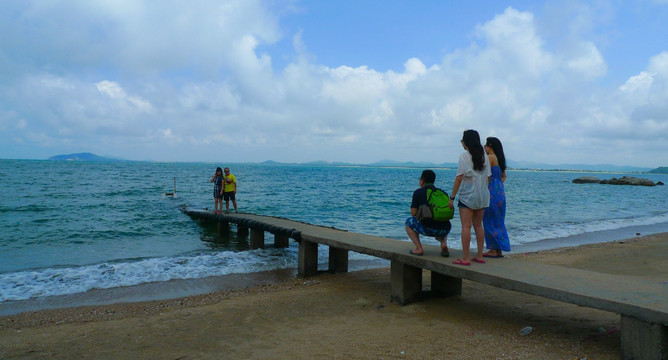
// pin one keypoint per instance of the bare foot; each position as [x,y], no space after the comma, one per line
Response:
[444,249]
[417,252]
[479,260]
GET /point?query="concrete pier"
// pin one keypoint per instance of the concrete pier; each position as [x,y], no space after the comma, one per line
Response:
[642,305]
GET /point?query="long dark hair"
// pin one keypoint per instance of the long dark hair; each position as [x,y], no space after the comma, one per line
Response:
[471,140]
[495,144]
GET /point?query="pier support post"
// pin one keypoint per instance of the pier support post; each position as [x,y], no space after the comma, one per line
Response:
[281,241]
[406,282]
[242,232]
[223,228]
[338,260]
[308,259]
[643,340]
[444,285]
[257,239]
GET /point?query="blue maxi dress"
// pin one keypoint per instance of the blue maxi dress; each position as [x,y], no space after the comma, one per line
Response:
[494,218]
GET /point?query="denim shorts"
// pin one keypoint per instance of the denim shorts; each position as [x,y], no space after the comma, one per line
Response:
[413,223]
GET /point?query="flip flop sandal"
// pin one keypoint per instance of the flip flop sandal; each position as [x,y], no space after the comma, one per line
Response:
[461,262]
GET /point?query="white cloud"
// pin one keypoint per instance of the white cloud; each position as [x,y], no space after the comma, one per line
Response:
[589,62]
[511,43]
[639,83]
[111,88]
[116,92]
[181,80]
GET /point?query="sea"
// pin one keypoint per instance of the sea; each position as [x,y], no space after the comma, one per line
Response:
[74,227]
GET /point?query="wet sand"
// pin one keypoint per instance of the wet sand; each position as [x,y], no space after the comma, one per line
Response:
[345,316]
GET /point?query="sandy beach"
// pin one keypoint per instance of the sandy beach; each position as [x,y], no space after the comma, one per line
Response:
[345,316]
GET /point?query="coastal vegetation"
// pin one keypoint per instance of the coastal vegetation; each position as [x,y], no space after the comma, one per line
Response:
[660,170]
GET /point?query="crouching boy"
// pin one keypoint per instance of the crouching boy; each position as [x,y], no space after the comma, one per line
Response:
[427,227]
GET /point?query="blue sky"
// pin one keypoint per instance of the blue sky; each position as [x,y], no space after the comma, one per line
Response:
[355,81]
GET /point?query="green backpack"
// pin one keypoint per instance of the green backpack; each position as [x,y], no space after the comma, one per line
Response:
[437,208]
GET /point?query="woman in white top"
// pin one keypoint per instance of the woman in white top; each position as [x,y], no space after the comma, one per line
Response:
[473,172]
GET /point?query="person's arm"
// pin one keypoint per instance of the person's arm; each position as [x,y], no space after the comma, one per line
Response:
[414,203]
[235,185]
[503,176]
[455,188]
[213,177]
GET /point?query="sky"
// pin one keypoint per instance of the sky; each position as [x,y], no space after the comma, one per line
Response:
[580,82]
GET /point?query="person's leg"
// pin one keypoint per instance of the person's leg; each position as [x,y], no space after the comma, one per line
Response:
[226,197]
[415,238]
[479,232]
[444,245]
[466,217]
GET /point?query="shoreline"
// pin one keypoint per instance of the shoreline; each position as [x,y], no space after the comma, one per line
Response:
[346,315]
[592,237]
[204,290]
[180,288]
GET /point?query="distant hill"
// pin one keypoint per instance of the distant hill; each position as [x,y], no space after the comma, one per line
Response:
[660,170]
[516,165]
[327,163]
[81,157]
[382,163]
[271,162]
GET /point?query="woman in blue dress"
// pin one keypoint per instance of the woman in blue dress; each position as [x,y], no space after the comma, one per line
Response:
[496,236]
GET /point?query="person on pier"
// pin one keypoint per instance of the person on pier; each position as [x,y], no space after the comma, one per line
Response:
[428,227]
[229,190]
[217,180]
[493,220]
[473,172]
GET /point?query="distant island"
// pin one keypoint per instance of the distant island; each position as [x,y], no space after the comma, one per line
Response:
[660,170]
[512,165]
[382,163]
[81,157]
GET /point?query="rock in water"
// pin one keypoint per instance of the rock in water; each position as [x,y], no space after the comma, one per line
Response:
[587,180]
[629,180]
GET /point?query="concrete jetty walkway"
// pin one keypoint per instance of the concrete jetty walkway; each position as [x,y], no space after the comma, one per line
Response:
[642,305]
